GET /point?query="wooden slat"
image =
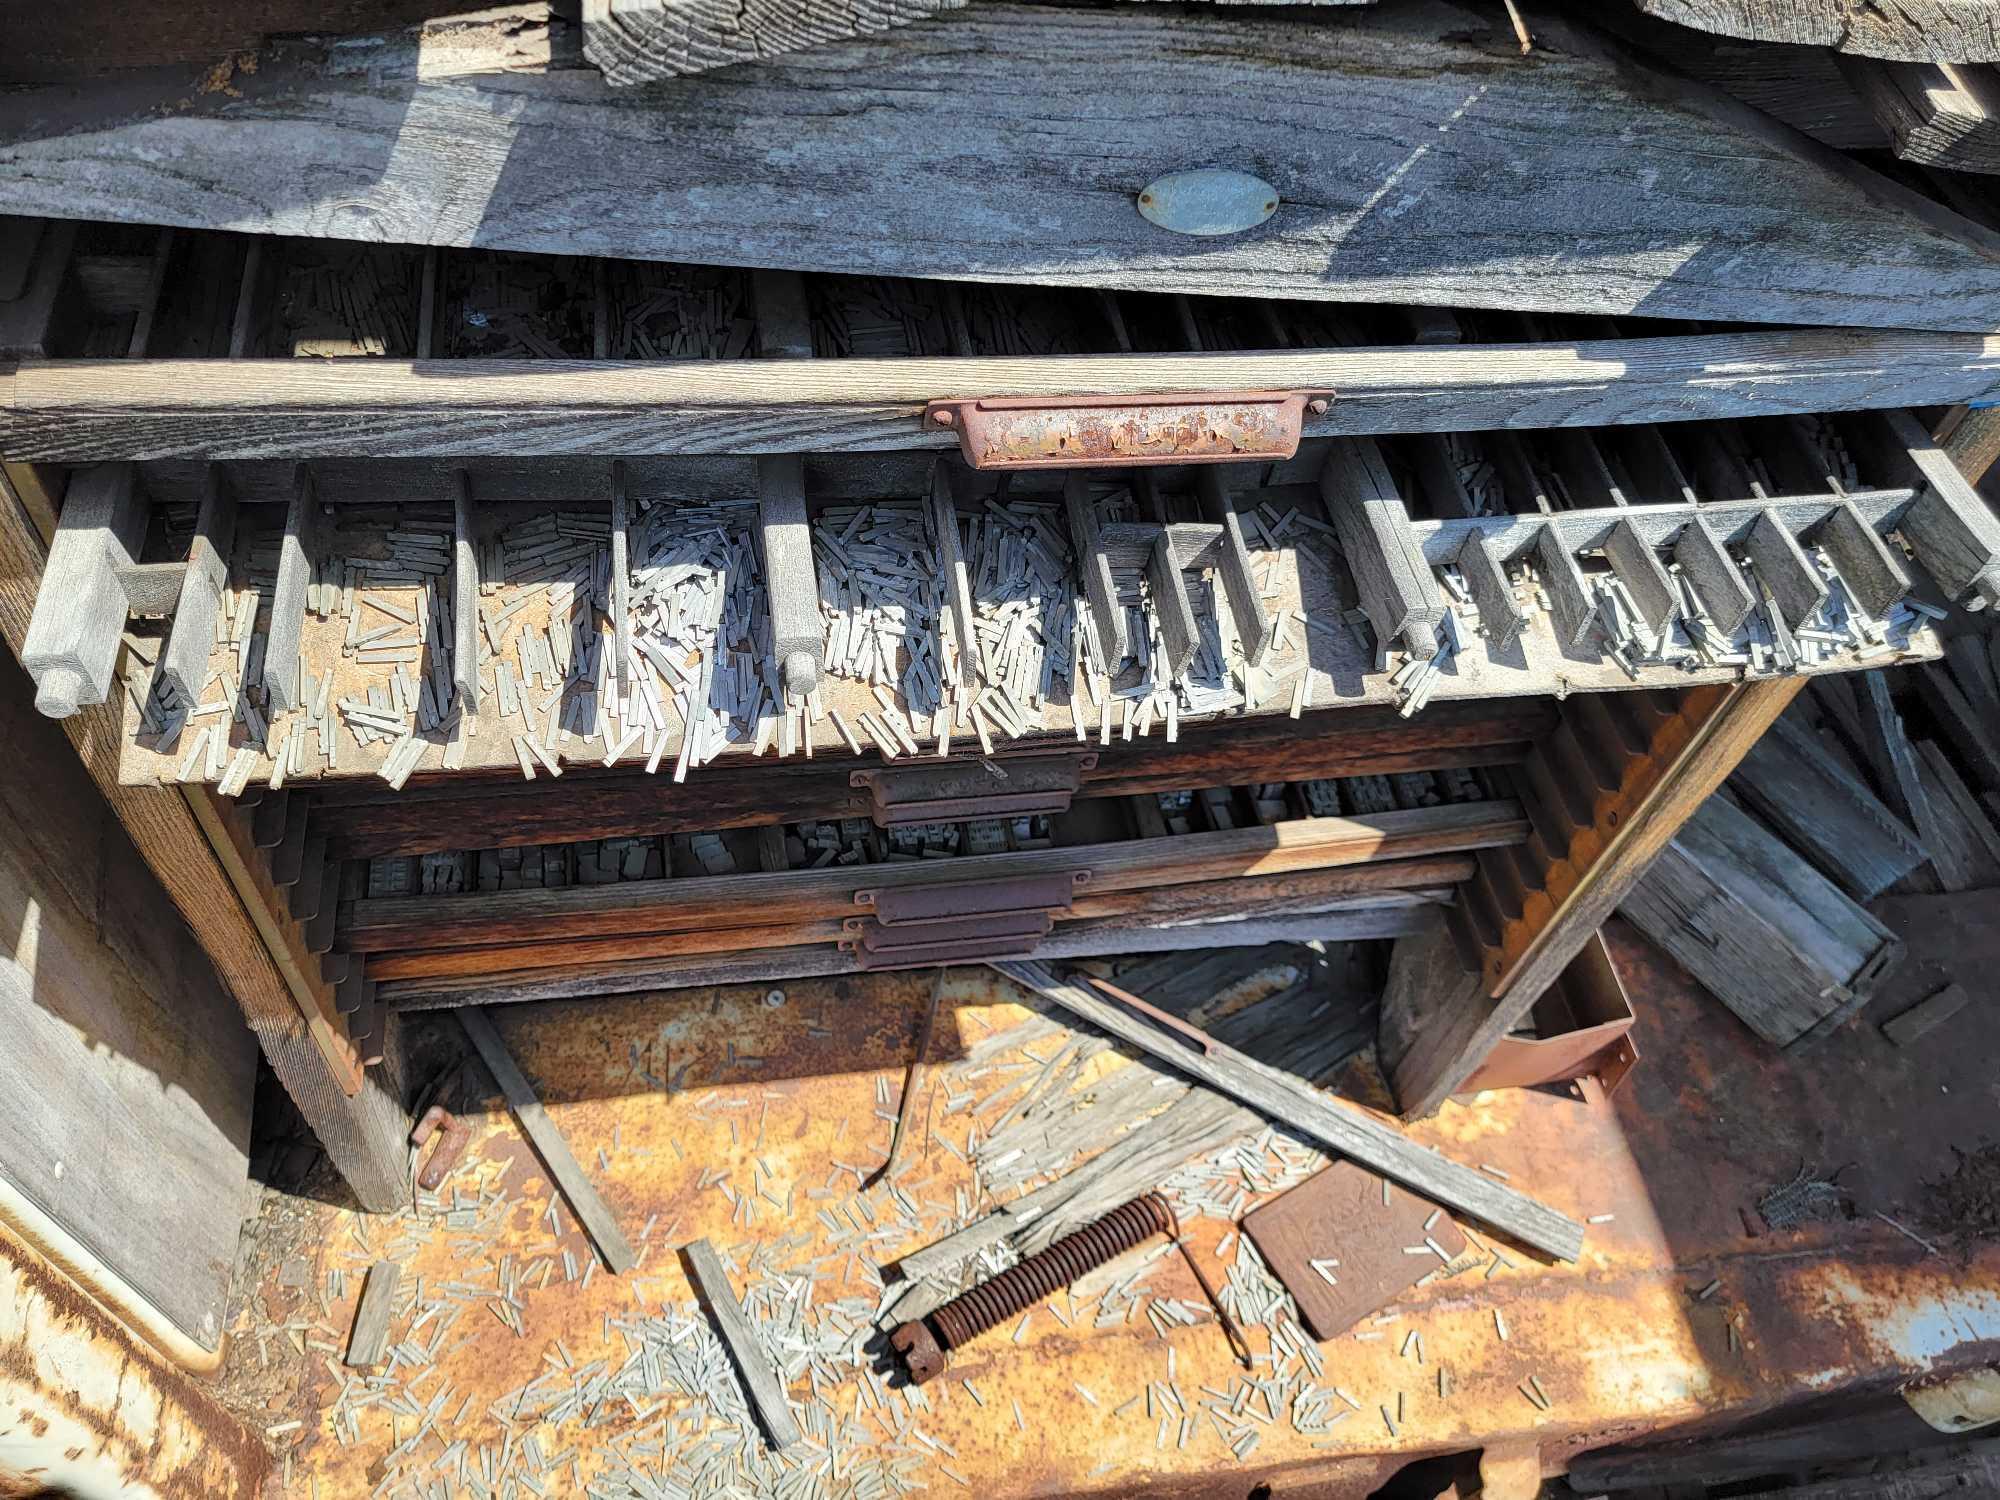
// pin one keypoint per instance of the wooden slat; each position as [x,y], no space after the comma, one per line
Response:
[369,1337]
[465,594]
[73,412]
[805,895]
[1912,30]
[761,1381]
[191,641]
[283,667]
[598,1221]
[71,646]
[1759,232]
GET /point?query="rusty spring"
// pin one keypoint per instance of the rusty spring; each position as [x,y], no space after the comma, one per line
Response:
[1020,1287]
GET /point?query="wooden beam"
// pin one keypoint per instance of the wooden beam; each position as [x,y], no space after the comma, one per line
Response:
[71,647]
[761,1382]
[592,1212]
[1744,220]
[1936,114]
[1913,30]
[364,1133]
[798,639]
[79,412]
[1445,1026]
[191,638]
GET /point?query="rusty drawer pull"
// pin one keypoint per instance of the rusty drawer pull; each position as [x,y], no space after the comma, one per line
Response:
[955,900]
[957,921]
[1070,432]
[957,790]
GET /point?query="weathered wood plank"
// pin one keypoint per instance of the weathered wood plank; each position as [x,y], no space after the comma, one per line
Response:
[191,639]
[1938,114]
[76,411]
[798,638]
[283,667]
[1742,219]
[1802,792]
[71,648]
[1914,30]
[1346,1129]
[1585,885]
[126,1076]
[806,895]
[598,1221]
[369,1336]
[1762,930]
[761,1382]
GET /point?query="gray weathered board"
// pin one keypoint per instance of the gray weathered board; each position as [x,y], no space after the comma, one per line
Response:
[642,41]
[1790,780]
[761,1380]
[126,1073]
[87,411]
[1915,30]
[1762,930]
[1345,1128]
[596,1216]
[1417,158]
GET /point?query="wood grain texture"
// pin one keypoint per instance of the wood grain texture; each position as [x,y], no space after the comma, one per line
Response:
[126,1076]
[76,411]
[761,1381]
[1347,1129]
[1029,173]
[191,638]
[643,41]
[596,1216]
[1759,928]
[1790,781]
[71,646]
[369,1336]
[1913,30]
[364,1135]
[1938,114]
[818,895]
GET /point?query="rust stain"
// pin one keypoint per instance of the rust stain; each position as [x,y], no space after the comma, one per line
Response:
[227,1444]
[1007,433]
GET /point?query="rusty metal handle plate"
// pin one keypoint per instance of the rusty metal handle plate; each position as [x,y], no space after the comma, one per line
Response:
[959,951]
[1070,432]
[951,901]
[957,789]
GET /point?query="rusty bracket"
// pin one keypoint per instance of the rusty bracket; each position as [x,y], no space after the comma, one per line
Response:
[1021,786]
[1070,432]
[957,921]
[452,1135]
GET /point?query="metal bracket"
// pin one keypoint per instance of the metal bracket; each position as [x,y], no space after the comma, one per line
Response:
[1071,432]
[957,790]
[957,921]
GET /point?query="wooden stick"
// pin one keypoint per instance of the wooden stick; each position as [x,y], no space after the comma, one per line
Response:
[914,1078]
[760,1377]
[465,594]
[591,1211]
[370,1334]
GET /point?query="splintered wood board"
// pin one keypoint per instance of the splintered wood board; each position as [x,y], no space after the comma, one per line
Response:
[1341,672]
[1338,1215]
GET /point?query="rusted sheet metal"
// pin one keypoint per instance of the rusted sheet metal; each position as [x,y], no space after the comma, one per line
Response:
[1069,432]
[986,788]
[726,1087]
[87,1410]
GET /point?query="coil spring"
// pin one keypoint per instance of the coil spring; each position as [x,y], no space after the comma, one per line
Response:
[1020,1287]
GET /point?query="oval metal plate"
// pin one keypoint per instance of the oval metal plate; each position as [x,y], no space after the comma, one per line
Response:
[1209,200]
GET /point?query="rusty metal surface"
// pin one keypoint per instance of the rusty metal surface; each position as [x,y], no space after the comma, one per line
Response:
[1069,432]
[676,1090]
[87,1410]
